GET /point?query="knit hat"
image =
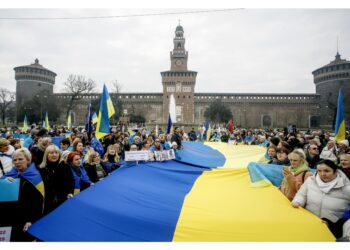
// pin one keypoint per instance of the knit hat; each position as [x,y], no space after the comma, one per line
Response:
[345,142]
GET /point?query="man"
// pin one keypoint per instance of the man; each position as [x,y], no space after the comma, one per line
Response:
[313,155]
[192,135]
[177,137]
[157,146]
[6,151]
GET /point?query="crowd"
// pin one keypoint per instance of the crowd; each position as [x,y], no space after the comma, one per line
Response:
[316,169]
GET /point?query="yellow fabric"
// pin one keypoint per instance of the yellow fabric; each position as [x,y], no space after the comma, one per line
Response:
[40,188]
[341,132]
[235,211]
[76,191]
[238,156]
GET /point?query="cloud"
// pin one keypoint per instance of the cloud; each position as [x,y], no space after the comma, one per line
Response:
[252,50]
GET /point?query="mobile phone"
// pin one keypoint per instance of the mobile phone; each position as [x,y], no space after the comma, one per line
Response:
[286,168]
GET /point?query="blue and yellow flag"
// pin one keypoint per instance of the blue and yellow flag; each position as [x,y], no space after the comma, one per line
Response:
[25,124]
[69,120]
[94,118]
[196,198]
[46,123]
[31,174]
[106,111]
[340,121]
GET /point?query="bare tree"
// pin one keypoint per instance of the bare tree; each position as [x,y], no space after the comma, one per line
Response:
[6,98]
[117,87]
[78,85]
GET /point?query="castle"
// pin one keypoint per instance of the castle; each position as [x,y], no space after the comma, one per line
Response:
[35,87]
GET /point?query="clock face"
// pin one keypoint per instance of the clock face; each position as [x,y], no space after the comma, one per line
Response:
[178,62]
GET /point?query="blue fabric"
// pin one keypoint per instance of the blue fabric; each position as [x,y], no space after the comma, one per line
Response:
[136,203]
[31,174]
[57,140]
[20,136]
[265,172]
[28,142]
[9,190]
[97,146]
[198,154]
[84,177]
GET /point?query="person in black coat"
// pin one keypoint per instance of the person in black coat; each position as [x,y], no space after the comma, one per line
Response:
[30,204]
[177,138]
[71,177]
[94,168]
[48,171]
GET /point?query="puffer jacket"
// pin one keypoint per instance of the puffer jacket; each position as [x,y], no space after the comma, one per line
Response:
[329,205]
[6,160]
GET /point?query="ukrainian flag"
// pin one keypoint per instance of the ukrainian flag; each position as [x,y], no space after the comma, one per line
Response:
[205,196]
[25,124]
[340,121]
[208,133]
[69,120]
[94,118]
[46,124]
[106,111]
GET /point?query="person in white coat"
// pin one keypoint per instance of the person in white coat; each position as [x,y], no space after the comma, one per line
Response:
[6,152]
[327,195]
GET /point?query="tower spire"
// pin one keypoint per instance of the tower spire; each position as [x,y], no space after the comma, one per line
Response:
[337,56]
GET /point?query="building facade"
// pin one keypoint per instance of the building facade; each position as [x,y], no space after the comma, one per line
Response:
[248,109]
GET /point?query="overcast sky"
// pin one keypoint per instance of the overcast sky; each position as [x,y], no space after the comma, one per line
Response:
[243,51]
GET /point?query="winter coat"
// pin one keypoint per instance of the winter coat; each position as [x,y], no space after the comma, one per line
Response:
[329,205]
[6,160]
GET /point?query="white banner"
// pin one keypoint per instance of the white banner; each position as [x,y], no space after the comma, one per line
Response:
[5,234]
[164,155]
[136,155]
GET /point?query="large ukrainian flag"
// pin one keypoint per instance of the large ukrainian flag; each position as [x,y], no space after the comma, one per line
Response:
[106,111]
[205,196]
[340,121]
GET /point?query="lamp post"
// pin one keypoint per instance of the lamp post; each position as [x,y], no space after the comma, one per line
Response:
[41,106]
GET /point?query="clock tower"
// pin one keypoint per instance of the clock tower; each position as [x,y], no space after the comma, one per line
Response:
[180,82]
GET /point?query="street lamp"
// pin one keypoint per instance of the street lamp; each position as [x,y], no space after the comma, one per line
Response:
[41,106]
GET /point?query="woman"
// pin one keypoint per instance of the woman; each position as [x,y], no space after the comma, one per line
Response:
[78,146]
[94,168]
[30,204]
[327,195]
[329,152]
[282,157]
[71,177]
[48,171]
[295,175]
[38,150]
[111,159]
[345,164]
[270,155]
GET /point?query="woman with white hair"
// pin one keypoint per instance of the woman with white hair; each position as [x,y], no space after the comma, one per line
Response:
[30,203]
[295,174]
[329,151]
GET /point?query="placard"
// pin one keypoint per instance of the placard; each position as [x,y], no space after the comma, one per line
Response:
[164,155]
[136,155]
[5,234]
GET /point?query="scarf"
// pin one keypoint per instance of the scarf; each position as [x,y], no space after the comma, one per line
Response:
[295,171]
[325,187]
[31,174]
[79,174]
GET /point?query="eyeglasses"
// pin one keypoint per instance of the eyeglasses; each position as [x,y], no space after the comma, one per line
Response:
[314,148]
